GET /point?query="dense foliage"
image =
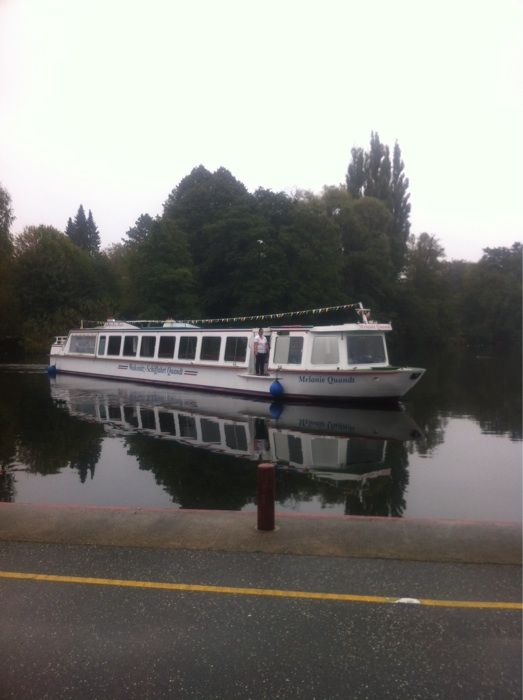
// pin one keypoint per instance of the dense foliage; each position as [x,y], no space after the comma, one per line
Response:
[219,250]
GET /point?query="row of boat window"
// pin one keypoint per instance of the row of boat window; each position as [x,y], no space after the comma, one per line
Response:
[133,346]
[361,349]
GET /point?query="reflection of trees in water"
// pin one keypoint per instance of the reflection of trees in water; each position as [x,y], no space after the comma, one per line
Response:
[194,477]
[7,485]
[199,479]
[383,495]
[432,427]
[486,390]
[40,434]
[87,459]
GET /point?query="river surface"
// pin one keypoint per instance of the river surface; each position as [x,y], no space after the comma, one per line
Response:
[451,450]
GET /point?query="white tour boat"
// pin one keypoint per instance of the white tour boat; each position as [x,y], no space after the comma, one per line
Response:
[305,363]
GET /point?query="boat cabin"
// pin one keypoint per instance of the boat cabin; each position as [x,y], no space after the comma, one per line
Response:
[317,348]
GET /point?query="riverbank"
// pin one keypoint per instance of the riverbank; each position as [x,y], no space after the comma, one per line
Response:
[232,531]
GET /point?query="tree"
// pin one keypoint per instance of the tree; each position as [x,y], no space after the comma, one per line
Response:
[57,284]
[8,310]
[199,201]
[423,300]
[240,273]
[370,174]
[356,174]
[93,235]
[141,229]
[492,300]
[377,170]
[400,205]
[6,219]
[9,317]
[161,274]
[312,245]
[83,231]
[363,224]
[368,268]
[77,229]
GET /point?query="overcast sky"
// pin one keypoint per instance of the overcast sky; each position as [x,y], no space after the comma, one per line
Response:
[110,103]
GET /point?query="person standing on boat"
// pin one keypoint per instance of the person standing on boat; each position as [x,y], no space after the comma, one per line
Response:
[261,350]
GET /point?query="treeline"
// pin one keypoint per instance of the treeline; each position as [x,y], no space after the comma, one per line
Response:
[219,250]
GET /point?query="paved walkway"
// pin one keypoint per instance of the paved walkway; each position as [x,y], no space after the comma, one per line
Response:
[384,538]
[112,603]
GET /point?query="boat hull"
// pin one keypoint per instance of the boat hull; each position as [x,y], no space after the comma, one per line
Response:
[296,385]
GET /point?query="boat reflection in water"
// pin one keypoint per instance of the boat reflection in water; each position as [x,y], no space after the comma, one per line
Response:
[336,444]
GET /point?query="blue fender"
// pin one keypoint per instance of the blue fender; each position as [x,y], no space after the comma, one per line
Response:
[276,389]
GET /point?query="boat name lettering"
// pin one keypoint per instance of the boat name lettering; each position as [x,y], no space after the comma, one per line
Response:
[155,369]
[341,380]
[306,424]
[329,379]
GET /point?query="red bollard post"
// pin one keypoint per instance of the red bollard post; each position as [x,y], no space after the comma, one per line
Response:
[265,496]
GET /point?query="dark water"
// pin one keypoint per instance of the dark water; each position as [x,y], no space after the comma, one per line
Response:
[452,450]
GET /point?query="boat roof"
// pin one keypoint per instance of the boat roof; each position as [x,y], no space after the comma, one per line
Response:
[115,325]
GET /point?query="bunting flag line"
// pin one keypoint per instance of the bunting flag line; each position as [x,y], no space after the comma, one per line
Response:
[243,319]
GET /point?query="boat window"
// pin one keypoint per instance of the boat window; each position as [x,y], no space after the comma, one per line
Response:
[130,345]
[325,350]
[148,346]
[288,448]
[235,349]
[210,431]
[295,449]
[288,350]
[115,413]
[166,347]
[167,424]
[363,451]
[187,347]
[148,421]
[187,426]
[131,415]
[235,437]
[365,349]
[101,345]
[84,344]
[114,344]
[210,347]
[325,452]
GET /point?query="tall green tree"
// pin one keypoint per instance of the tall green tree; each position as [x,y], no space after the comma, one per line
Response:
[58,284]
[93,235]
[8,302]
[161,276]
[199,201]
[400,205]
[83,231]
[312,247]
[363,224]
[423,300]
[371,174]
[492,300]
[141,229]
[77,229]
[6,219]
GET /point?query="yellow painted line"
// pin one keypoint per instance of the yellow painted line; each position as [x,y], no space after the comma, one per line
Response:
[267,592]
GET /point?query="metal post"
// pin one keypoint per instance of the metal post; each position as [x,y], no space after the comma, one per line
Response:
[265,496]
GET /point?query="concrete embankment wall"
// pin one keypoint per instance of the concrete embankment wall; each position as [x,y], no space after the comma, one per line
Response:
[384,538]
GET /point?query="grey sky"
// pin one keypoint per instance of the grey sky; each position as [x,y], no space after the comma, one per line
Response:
[109,103]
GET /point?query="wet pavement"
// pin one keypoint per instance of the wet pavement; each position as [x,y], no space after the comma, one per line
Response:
[230,624]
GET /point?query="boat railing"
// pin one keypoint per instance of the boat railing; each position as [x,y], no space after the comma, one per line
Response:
[60,340]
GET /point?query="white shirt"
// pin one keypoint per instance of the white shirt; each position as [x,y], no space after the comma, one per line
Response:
[261,344]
